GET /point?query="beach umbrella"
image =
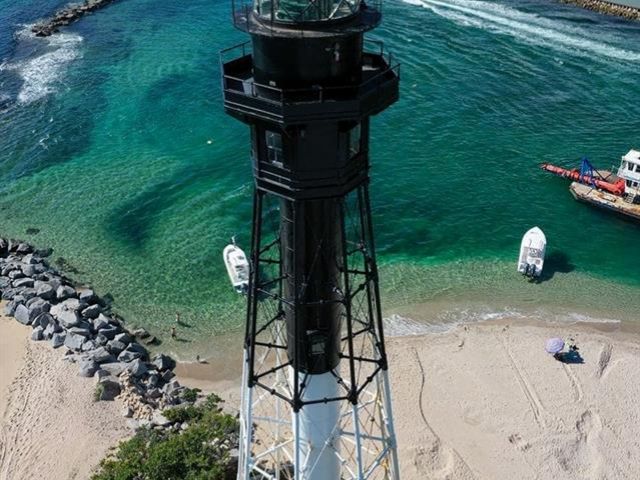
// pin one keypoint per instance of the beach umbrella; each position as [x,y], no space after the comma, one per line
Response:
[554,345]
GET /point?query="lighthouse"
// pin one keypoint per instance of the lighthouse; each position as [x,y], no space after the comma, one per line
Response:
[315,389]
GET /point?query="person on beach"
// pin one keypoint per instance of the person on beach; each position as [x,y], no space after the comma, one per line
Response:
[174,334]
[177,318]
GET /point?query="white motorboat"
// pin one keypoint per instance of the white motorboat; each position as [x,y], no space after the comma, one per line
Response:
[532,250]
[237,266]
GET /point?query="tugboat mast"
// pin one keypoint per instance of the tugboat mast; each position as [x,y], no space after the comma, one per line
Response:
[316,399]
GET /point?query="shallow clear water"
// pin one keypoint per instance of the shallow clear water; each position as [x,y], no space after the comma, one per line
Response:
[114,144]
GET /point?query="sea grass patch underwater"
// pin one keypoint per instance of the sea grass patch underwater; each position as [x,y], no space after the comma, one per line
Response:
[115,147]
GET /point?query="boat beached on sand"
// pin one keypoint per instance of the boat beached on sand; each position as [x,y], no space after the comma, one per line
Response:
[532,251]
[237,266]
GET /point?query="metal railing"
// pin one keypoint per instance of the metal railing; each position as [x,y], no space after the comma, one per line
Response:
[275,11]
[380,61]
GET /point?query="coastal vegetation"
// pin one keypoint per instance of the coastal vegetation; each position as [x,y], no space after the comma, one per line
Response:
[201,448]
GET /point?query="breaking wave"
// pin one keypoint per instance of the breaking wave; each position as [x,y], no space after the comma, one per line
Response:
[566,36]
[41,71]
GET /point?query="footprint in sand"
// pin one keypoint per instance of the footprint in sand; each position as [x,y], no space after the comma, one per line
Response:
[517,441]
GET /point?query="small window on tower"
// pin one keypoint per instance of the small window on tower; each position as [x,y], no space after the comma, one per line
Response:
[354,140]
[274,149]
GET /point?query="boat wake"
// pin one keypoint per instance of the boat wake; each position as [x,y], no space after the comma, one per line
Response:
[566,36]
[43,65]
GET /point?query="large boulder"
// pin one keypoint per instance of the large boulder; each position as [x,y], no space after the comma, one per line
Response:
[4,282]
[64,292]
[58,339]
[69,318]
[44,320]
[21,314]
[10,308]
[45,290]
[137,348]
[163,362]
[86,295]
[24,248]
[128,356]
[74,342]
[87,367]
[123,337]
[114,368]
[137,368]
[101,355]
[37,334]
[91,311]
[110,331]
[89,345]
[51,329]
[109,389]
[37,308]
[85,332]
[116,347]
[23,282]
[68,304]
[102,321]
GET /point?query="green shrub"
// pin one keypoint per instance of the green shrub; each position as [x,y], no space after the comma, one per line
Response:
[192,454]
[191,394]
[97,393]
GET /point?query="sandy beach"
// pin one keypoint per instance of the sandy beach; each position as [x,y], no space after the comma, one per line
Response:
[50,428]
[487,402]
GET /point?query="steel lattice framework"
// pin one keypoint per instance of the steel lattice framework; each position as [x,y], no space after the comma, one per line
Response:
[363,439]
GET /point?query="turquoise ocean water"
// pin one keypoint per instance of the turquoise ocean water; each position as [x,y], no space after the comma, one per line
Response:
[113,143]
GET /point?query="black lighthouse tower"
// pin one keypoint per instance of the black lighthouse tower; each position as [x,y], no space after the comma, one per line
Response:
[315,389]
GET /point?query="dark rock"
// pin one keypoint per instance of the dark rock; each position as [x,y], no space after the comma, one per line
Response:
[87,368]
[31,259]
[141,333]
[153,380]
[8,293]
[151,341]
[163,362]
[101,355]
[21,314]
[128,356]
[4,282]
[110,389]
[124,338]
[91,312]
[23,282]
[29,270]
[10,308]
[111,331]
[44,252]
[58,339]
[101,340]
[37,334]
[116,347]
[87,296]
[16,275]
[74,342]
[101,322]
[45,291]
[137,348]
[50,330]
[167,376]
[88,346]
[137,368]
[65,291]
[24,248]
[44,320]
[37,307]
[85,332]
[114,368]
[68,318]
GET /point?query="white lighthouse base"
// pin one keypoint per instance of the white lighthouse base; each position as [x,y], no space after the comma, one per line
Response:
[329,441]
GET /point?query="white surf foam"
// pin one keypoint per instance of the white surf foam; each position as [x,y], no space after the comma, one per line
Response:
[42,72]
[399,326]
[529,27]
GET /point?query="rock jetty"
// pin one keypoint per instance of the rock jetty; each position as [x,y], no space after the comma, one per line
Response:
[74,318]
[68,15]
[608,8]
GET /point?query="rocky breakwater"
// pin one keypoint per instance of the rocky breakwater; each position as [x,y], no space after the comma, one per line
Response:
[68,15]
[607,8]
[74,318]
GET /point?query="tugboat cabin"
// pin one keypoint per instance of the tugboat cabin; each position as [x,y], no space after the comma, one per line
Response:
[630,171]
